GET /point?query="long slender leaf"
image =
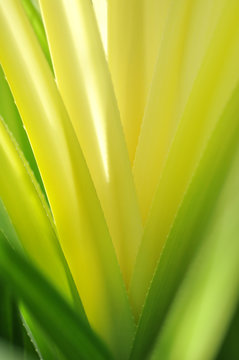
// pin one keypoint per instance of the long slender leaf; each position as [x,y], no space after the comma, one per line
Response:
[38,237]
[6,227]
[202,309]
[85,85]
[66,329]
[45,347]
[229,347]
[10,114]
[212,90]
[187,33]
[36,22]
[11,323]
[126,62]
[101,12]
[183,241]
[8,353]
[134,34]
[78,216]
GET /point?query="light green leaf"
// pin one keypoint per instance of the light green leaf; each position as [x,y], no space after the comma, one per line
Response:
[31,217]
[84,83]
[210,94]
[186,36]
[76,210]
[206,301]
[10,115]
[7,352]
[35,19]
[134,34]
[189,227]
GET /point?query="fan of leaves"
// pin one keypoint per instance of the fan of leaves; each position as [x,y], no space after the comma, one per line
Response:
[119,232]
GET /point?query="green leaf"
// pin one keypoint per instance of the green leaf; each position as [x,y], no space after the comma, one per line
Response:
[229,348]
[135,29]
[35,19]
[10,322]
[185,39]
[10,115]
[77,213]
[6,227]
[206,301]
[84,83]
[7,352]
[63,326]
[212,89]
[37,236]
[189,227]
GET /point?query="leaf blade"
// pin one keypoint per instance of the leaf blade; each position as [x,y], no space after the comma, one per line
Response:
[75,339]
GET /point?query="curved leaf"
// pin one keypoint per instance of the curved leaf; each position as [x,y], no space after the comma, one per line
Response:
[84,83]
[202,309]
[77,213]
[211,92]
[189,227]
[63,326]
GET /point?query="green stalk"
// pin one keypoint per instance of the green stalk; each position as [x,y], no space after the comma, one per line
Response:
[79,219]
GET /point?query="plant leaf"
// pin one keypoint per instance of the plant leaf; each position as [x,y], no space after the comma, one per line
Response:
[134,34]
[101,12]
[6,227]
[186,37]
[229,347]
[202,299]
[8,353]
[76,210]
[34,17]
[38,236]
[10,115]
[212,90]
[183,241]
[63,326]
[11,324]
[84,82]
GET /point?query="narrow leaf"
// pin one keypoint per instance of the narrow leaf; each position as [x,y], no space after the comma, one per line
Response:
[66,329]
[210,94]
[183,241]
[202,309]
[10,115]
[31,217]
[186,37]
[36,22]
[77,213]
[84,82]
[134,33]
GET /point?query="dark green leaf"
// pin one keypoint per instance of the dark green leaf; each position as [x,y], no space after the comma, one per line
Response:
[64,327]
